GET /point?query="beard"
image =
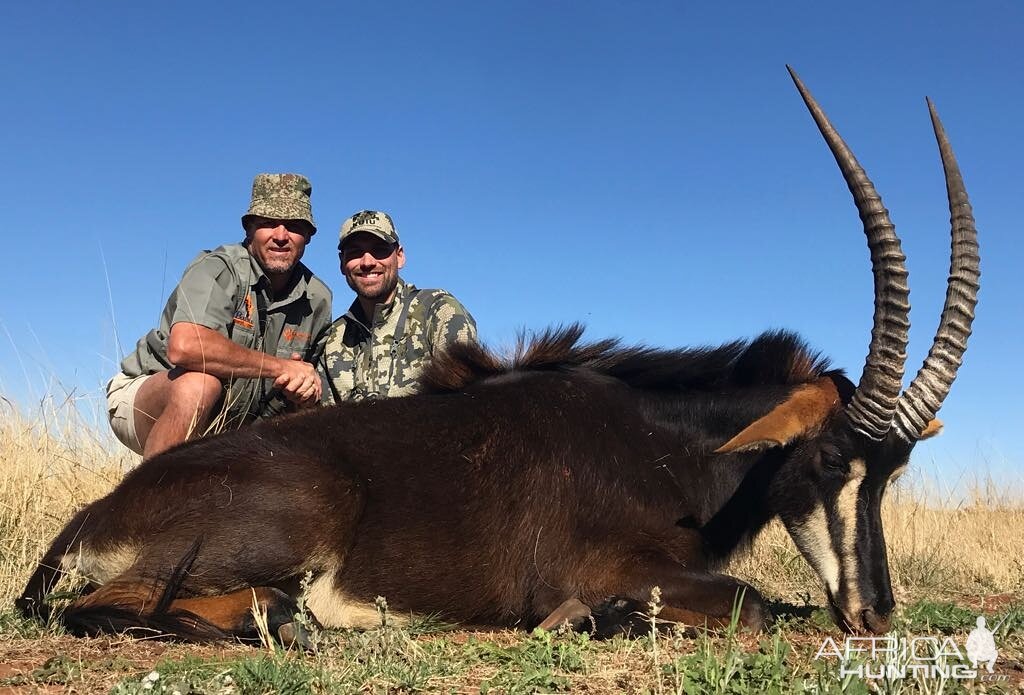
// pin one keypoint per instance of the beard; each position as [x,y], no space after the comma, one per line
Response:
[377,294]
[279,266]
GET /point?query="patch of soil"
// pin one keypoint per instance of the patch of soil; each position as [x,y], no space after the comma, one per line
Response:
[51,664]
[992,603]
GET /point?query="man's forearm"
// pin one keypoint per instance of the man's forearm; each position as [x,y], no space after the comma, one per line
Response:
[200,349]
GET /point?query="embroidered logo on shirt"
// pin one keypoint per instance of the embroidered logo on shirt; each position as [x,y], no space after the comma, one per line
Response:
[291,335]
[243,317]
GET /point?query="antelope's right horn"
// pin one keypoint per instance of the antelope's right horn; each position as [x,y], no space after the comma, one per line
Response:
[923,398]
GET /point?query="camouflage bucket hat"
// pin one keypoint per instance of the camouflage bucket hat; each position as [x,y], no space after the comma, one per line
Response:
[281,197]
[373,221]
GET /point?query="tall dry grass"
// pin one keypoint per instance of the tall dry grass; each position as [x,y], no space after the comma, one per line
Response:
[54,462]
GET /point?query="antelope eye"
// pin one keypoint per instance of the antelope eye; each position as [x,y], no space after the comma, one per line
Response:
[832,460]
[835,465]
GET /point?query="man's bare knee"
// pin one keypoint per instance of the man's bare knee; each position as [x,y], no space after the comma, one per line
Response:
[194,391]
[186,409]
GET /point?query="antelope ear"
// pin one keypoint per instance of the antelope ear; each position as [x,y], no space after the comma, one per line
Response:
[803,412]
[933,428]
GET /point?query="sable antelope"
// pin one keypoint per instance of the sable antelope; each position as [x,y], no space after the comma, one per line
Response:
[564,484]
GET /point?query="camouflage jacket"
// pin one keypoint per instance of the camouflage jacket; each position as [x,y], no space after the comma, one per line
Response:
[385,359]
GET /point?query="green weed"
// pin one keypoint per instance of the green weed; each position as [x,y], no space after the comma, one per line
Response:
[929,617]
[540,662]
[270,674]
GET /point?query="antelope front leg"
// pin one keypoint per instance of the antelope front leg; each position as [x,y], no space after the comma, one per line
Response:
[708,598]
[691,598]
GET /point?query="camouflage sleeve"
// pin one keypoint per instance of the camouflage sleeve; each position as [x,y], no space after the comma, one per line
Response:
[450,322]
[320,298]
[327,355]
[206,295]
[326,392]
[316,348]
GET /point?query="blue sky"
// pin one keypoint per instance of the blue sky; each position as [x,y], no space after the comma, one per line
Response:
[647,168]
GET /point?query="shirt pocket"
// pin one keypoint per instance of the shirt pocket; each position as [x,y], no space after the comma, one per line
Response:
[242,332]
[294,339]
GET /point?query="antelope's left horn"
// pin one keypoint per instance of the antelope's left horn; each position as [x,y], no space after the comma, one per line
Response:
[873,404]
[923,398]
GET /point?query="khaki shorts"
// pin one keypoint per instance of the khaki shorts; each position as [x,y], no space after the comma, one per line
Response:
[121,392]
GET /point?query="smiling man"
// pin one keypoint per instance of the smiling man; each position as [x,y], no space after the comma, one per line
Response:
[380,346]
[238,336]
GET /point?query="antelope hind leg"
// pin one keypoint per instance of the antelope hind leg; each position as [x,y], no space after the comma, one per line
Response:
[133,605]
[233,613]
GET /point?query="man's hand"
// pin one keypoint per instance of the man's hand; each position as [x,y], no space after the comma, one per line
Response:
[298,381]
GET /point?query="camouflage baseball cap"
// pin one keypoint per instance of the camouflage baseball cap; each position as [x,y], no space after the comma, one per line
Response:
[373,221]
[281,197]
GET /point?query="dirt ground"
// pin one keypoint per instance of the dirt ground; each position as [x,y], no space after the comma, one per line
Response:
[72,665]
[64,664]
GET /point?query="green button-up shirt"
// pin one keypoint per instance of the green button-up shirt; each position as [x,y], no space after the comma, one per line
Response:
[226,290]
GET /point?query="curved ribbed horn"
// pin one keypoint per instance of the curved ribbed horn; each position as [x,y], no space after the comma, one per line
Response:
[923,398]
[872,407]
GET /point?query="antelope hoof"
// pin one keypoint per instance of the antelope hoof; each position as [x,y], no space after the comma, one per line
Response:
[754,616]
[31,609]
[294,634]
[573,612]
[620,616]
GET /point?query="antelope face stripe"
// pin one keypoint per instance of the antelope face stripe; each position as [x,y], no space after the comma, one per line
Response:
[844,521]
[828,537]
[812,538]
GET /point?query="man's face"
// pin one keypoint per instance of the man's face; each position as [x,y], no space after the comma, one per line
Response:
[370,266]
[277,245]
